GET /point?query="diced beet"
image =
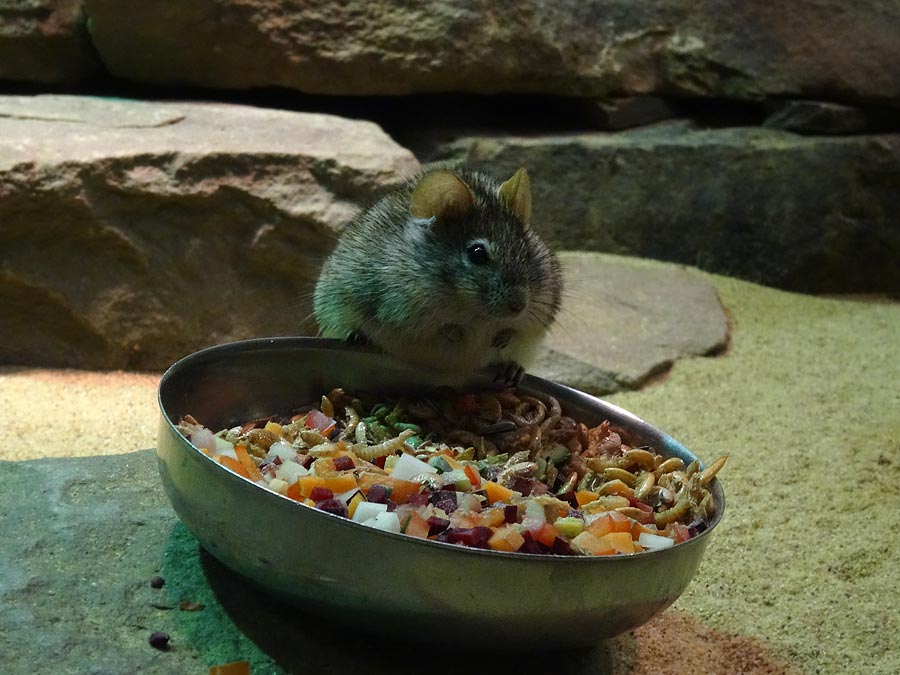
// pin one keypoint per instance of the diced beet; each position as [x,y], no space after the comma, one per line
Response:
[321,494]
[379,461]
[531,545]
[444,499]
[529,486]
[378,494]
[569,497]
[276,460]
[305,460]
[561,547]
[391,504]
[436,524]
[335,506]
[343,463]
[476,537]
[419,499]
[511,513]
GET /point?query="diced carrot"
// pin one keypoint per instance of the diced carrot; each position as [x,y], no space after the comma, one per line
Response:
[620,541]
[473,475]
[506,538]
[492,517]
[307,483]
[233,668]
[611,521]
[293,491]
[400,489]
[233,464]
[340,482]
[585,497]
[416,526]
[593,545]
[496,492]
[245,459]
[638,528]
[547,534]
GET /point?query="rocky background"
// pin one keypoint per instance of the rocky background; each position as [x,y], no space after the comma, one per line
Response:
[171,174]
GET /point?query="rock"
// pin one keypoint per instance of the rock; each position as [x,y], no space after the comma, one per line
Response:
[135,233]
[816,117]
[633,112]
[624,321]
[45,41]
[597,48]
[816,214]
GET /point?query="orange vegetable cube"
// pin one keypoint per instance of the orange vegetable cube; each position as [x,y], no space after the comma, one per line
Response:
[585,497]
[416,526]
[233,464]
[340,482]
[400,489]
[307,483]
[293,492]
[492,517]
[496,492]
[506,538]
[548,534]
[245,459]
[592,545]
[620,541]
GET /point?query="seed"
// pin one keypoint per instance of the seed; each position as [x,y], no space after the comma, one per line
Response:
[157,582]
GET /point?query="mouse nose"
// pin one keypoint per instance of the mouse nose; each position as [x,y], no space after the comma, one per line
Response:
[516,301]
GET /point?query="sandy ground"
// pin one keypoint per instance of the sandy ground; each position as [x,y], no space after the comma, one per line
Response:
[801,574]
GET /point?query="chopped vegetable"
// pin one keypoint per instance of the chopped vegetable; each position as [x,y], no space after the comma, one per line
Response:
[513,478]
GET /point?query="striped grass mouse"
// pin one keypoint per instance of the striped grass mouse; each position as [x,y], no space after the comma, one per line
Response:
[445,273]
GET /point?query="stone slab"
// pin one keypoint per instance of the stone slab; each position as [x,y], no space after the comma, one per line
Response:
[136,232]
[807,213]
[572,47]
[624,321]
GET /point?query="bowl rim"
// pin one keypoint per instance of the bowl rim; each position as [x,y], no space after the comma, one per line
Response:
[268,343]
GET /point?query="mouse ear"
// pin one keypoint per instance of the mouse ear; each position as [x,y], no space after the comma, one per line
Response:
[516,194]
[441,194]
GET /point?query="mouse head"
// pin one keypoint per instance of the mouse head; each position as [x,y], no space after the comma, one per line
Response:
[483,243]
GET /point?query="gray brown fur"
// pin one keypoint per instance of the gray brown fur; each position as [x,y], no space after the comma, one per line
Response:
[409,287]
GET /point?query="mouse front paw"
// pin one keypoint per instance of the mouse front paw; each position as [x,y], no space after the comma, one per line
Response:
[508,374]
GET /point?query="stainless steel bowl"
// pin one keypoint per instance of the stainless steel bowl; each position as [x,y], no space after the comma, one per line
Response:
[378,581]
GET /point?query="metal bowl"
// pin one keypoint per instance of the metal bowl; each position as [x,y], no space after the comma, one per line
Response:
[383,582]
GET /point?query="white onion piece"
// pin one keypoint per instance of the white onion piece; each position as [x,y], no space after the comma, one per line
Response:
[655,542]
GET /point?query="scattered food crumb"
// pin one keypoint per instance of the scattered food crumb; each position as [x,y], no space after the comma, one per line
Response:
[157,582]
[159,640]
[188,606]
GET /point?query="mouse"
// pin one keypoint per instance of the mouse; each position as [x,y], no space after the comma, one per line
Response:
[445,273]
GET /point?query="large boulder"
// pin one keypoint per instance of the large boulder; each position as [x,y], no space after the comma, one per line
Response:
[572,47]
[45,41]
[134,233]
[808,213]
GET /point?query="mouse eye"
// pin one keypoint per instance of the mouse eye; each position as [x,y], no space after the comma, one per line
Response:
[477,253]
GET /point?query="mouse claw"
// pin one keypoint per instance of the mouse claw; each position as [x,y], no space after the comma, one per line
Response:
[508,374]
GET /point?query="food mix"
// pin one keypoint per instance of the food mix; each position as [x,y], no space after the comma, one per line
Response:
[505,471]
